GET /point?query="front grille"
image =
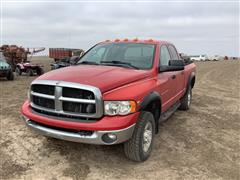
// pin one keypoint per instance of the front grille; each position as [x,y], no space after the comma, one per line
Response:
[77,93]
[43,102]
[79,107]
[63,116]
[45,89]
[68,99]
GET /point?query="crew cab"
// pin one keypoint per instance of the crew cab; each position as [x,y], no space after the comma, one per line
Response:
[118,92]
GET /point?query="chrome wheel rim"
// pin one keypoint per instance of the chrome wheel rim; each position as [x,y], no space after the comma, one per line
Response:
[189,98]
[147,136]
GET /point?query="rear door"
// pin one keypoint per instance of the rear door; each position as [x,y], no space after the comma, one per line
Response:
[179,81]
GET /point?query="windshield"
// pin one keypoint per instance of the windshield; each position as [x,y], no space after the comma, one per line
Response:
[131,55]
[3,63]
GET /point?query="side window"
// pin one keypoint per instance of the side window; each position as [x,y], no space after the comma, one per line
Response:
[173,52]
[164,56]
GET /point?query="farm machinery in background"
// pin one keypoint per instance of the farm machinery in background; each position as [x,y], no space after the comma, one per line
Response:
[64,57]
[20,59]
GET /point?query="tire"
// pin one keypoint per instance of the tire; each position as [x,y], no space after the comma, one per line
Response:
[136,148]
[40,71]
[18,71]
[10,76]
[29,72]
[186,100]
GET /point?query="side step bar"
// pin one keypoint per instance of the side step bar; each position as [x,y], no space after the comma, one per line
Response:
[164,116]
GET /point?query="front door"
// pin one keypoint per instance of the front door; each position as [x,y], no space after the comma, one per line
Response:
[179,83]
[166,80]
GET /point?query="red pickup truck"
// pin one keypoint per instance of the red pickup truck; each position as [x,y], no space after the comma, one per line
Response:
[118,92]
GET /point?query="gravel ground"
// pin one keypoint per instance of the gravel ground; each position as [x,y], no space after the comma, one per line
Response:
[202,143]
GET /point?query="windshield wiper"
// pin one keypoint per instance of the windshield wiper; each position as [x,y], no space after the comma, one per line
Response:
[125,64]
[88,62]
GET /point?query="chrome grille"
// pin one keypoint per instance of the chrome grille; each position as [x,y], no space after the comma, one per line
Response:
[65,98]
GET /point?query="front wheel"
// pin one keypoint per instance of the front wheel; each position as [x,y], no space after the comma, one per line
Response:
[40,71]
[139,147]
[186,100]
[10,76]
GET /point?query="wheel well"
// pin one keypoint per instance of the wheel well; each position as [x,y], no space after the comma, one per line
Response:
[155,108]
[192,82]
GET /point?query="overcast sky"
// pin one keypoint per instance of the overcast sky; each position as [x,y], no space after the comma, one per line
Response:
[195,28]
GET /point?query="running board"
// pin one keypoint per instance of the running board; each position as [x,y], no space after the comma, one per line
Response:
[164,116]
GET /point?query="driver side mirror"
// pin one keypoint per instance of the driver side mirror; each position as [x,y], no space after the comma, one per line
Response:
[174,65]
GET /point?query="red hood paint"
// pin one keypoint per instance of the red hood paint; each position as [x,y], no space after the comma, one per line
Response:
[104,77]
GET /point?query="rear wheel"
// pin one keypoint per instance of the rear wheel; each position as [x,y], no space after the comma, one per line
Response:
[139,147]
[186,100]
[29,72]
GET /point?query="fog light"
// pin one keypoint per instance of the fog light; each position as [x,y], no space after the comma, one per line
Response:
[109,138]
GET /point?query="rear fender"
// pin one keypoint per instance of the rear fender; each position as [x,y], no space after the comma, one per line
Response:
[191,80]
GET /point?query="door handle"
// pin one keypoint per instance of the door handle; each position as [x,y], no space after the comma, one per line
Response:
[173,76]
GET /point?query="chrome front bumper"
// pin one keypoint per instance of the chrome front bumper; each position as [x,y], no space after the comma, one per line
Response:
[95,138]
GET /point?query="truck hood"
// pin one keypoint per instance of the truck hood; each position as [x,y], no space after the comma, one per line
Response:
[104,77]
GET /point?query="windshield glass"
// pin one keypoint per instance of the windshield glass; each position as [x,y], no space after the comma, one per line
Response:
[135,55]
[3,63]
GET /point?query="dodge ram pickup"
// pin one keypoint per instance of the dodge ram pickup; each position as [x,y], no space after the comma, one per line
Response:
[118,92]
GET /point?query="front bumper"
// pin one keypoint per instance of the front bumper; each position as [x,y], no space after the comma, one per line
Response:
[95,138]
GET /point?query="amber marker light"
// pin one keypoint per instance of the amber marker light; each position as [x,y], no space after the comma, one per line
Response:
[136,39]
[133,106]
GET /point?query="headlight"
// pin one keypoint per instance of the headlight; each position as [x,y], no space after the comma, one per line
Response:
[119,107]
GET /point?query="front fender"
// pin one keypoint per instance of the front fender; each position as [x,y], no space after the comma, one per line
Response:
[136,91]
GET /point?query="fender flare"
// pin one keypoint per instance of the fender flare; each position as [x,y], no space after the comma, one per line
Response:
[20,66]
[152,96]
[191,77]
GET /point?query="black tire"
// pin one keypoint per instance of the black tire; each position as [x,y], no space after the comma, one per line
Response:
[134,148]
[186,100]
[40,71]
[18,71]
[10,76]
[29,72]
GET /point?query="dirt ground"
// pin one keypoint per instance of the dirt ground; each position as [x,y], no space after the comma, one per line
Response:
[202,143]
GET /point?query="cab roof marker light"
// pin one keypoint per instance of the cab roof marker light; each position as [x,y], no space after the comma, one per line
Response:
[136,39]
[126,39]
[117,40]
